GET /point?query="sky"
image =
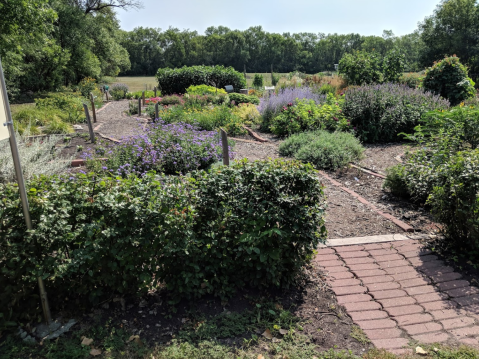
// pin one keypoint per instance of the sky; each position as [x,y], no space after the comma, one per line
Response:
[366,17]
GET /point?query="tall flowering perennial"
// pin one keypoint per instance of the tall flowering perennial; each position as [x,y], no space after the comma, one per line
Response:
[168,148]
[272,105]
[381,112]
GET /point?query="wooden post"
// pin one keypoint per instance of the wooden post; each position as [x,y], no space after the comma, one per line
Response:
[88,121]
[156,111]
[224,142]
[245,72]
[139,106]
[93,110]
[143,97]
[106,94]
[155,91]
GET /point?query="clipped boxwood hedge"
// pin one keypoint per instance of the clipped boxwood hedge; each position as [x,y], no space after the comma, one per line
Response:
[250,224]
[176,81]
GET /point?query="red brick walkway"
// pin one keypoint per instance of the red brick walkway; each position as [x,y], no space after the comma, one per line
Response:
[397,292]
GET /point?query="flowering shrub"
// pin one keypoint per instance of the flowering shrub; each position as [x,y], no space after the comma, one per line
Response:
[381,112]
[248,113]
[272,105]
[153,100]
[303,115]
[119,91]
[196,235]
[204,90]
[169,148]
[86,86]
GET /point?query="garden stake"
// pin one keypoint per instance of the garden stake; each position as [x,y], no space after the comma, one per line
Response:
[5,109]
[143,96]
[156,111]
[93,107]
[224,142]
[90,127]
[139,106]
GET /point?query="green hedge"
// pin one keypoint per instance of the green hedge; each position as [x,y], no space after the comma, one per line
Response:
[176,81]
[250,224]
[241,98]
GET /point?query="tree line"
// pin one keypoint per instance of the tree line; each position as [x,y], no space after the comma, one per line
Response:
[46,44]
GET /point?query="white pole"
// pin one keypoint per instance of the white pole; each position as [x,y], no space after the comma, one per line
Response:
[6,115]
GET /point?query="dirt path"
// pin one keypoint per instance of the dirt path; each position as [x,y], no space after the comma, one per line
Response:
[398,292]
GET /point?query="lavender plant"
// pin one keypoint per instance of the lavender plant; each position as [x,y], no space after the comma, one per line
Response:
[272,105]
[381,112]
[169,148]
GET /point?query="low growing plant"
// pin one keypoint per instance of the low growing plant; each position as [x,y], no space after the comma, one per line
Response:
[119,91]
[204,90]
[323,149]
[240,98]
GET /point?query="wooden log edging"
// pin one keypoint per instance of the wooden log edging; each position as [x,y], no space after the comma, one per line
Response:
[108,138]
[81,162]
[368,171]
[404,226]
[254,135]
[103,107]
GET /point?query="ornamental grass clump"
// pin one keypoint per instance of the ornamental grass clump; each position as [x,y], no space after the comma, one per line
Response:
[168,148]
[272,105]
[381,112]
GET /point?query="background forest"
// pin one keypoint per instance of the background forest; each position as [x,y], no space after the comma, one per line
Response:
[46,44]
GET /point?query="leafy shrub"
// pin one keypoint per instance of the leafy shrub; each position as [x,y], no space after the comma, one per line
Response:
[198,101]
[241,98]
[57,126]
[380,112]
[412,80]
[171,100]
[274,79]
[204,90]
[393,66]
[178,80]
[248,113]
[133,107]
[454,200]
[37,155]
[139,94]
[327,89]
[449,79]
[272,105]
[323,149]
[37,116]
[119,91]
[71,106]
[361,67]
[258,81]
[169,148]
[303,115]
[86,86]
[252,224]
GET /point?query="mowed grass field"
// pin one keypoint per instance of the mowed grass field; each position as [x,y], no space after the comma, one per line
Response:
[138,83]
[144,83]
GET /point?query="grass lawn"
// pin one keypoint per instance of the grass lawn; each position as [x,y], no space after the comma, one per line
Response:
[138,83]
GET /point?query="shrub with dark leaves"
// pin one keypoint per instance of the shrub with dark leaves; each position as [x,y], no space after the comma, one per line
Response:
[381,112]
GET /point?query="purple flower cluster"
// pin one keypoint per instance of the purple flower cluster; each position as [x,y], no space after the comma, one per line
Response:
[169,148]
[275,102]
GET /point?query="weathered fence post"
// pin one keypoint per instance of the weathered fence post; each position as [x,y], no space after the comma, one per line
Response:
[224,142]
[156,111]
[139,106]
[93,107]
[88,121]
[155,90]
[143,97]
[106,94]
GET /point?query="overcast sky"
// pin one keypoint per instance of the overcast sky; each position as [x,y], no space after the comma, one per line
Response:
[366,17]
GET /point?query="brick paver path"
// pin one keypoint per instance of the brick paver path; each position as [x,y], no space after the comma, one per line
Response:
[398,292]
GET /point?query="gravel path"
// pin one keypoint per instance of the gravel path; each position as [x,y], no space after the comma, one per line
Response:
[113,121]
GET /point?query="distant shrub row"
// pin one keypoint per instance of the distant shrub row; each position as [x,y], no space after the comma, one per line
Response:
[177,81]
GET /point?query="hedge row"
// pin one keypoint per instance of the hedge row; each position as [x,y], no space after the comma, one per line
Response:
[211,232]
[173,81]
